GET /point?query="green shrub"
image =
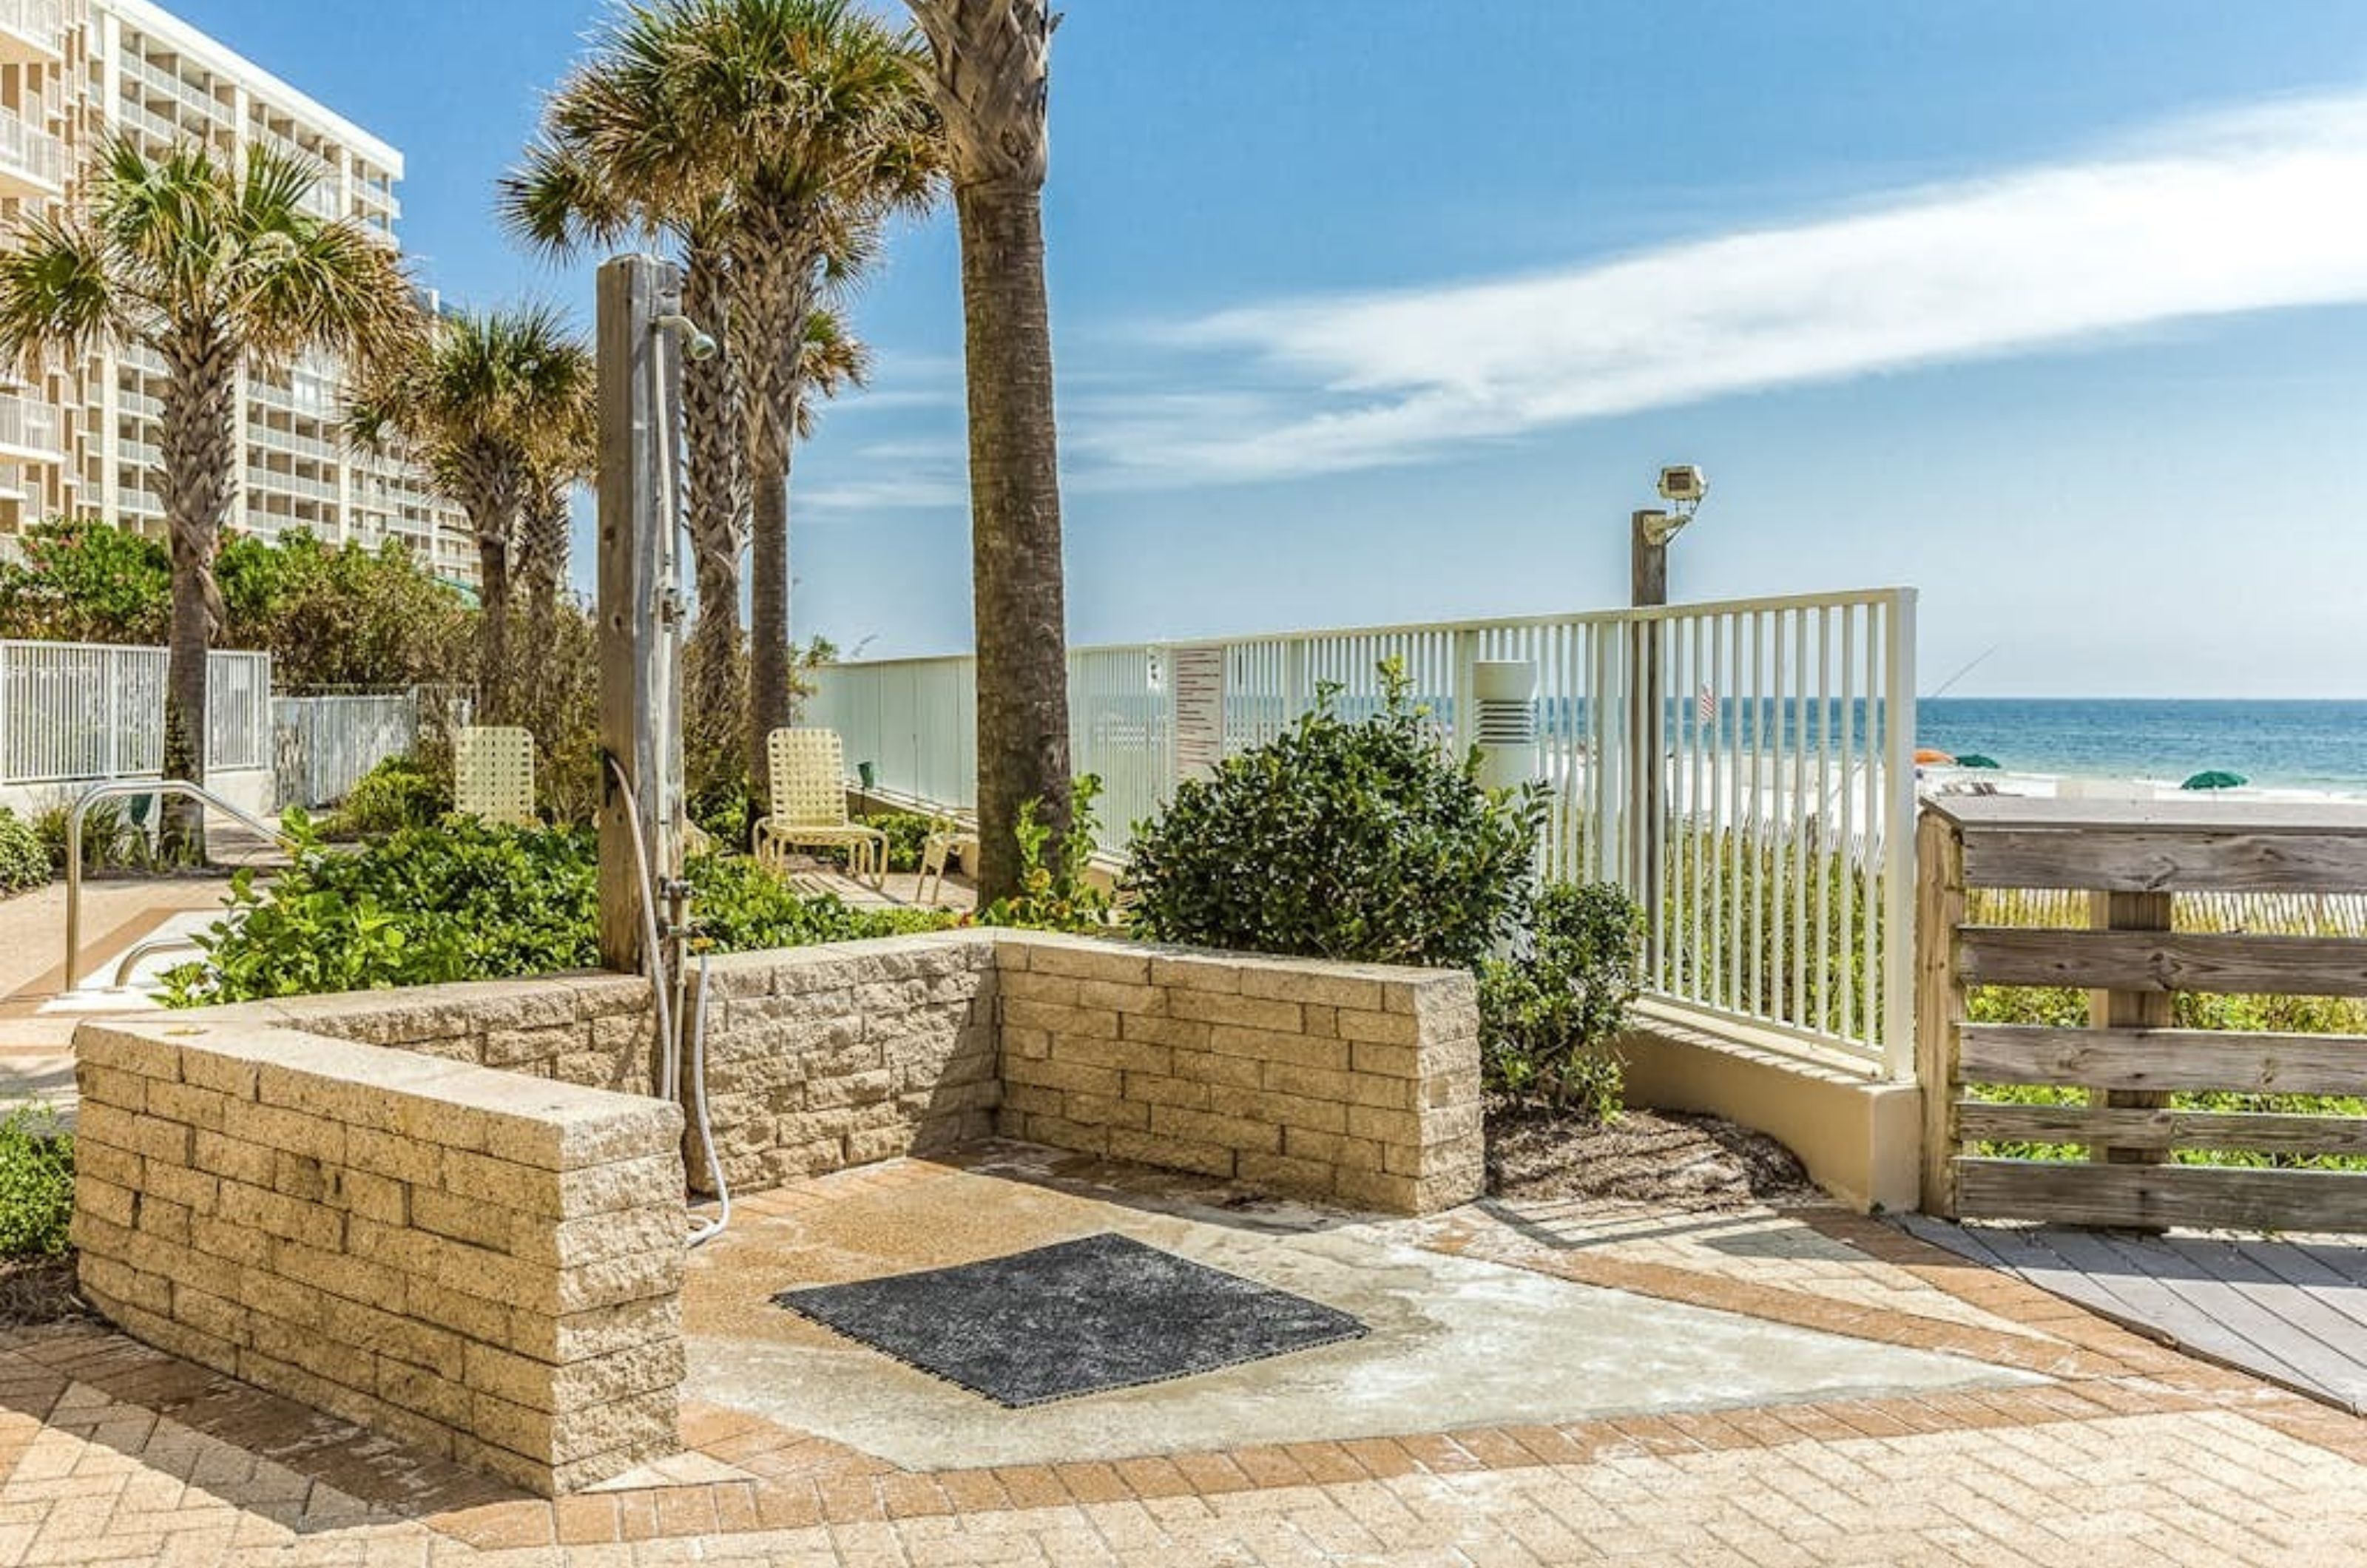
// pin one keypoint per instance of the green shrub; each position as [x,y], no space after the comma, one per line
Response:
[111,841]
[467,900]
[398,793]
[24,859]
[740,907]
[464,900]
[722,808]
[37,1183]
[1350,841]
[908,835]
[1059,895]
[1549,1022]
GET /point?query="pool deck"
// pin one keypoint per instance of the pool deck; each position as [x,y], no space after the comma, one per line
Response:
[2070,1441]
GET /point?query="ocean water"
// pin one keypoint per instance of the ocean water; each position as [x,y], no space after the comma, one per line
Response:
[2280,745]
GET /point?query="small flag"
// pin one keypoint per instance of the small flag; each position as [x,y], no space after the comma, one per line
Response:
[1706,704]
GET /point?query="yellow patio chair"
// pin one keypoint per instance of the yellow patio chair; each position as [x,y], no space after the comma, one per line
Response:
[493,774]
[946,839]
[807,770]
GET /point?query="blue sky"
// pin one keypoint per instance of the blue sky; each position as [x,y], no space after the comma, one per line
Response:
[1383,310]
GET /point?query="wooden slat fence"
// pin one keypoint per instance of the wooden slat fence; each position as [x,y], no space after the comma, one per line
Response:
[2132,869]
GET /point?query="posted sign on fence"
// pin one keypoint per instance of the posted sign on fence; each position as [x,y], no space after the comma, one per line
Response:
[1199,673]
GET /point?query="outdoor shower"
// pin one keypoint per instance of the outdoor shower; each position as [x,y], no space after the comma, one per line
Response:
[643,338]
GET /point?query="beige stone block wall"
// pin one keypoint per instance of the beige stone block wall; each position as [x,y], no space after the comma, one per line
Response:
[1357,1084]
[470,1260]
[597,1031]
[824,1058]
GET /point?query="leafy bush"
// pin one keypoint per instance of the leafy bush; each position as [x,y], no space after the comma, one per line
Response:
[37,1183]
[111,839]
[401,791]
[908,835]
[342,615]
[722,808]
[1061,895]
[86,582]
[739,908]
[1356,840]
[24,859]
[330,615]
[1549,1022]
[467,900]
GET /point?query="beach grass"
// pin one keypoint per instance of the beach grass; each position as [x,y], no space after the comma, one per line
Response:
[1737,931]
[2271,914]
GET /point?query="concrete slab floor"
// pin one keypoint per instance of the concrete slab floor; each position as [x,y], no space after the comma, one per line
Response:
[1455,1342]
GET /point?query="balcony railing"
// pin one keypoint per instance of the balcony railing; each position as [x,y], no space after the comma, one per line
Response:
[135,116]
[26,426]
[34,153]
[289,484]
[172,86]
[42,21]
[316,398]
[288,441]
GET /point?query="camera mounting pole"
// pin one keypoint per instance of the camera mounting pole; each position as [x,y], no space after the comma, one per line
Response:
[1649,532]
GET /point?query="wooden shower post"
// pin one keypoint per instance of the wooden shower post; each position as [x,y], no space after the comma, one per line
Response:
[639,602]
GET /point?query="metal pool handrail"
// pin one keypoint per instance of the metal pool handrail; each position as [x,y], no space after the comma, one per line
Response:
[160,788]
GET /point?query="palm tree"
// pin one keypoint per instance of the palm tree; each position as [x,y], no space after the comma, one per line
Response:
[215,269]
[991,70]
[557,202]
[564,455]
[484,402]
[804,124]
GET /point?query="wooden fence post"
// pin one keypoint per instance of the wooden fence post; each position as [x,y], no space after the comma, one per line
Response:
[2129,1010]
[1939,1000]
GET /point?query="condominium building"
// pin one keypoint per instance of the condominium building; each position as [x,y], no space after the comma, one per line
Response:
[80,440]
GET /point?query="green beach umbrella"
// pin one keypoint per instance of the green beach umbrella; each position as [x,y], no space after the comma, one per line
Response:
[1974,760]
[2216,778]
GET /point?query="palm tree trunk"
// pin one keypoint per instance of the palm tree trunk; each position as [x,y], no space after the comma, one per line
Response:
[768,605]
[542,555]
[490,484]
[714,420]
[201,375]
[772,297]
[493,628]
[1016,567]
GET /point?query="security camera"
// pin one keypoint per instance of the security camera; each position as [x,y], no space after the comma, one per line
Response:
[1684,484]
[696,343]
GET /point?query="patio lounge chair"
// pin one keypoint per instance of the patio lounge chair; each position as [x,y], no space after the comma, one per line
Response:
[807,769]
[945,840]
[492,775]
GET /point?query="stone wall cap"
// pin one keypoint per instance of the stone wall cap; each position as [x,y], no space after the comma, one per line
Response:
[1397,973]
[540,1121]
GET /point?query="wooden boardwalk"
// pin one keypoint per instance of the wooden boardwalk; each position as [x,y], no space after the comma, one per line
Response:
[2292,1312]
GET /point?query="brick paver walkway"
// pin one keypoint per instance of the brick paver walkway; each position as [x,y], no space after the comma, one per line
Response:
[114,1453]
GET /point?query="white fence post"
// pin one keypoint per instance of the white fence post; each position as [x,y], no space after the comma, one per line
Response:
[1900,869]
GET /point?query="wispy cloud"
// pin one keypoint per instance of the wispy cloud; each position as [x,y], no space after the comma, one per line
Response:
[2248,211]
[922,491]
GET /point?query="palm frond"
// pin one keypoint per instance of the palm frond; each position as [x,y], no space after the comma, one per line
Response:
[55,294]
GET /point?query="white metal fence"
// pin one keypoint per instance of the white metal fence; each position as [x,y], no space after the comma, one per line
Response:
[1745,769]
[323,746]
[73,712]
